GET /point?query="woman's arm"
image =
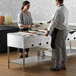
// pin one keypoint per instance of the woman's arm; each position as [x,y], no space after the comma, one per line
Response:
[25,26]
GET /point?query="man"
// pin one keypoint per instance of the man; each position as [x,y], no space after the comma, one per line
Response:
[59,27]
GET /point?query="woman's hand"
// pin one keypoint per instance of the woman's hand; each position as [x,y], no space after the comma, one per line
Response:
[35,25]
[29,26]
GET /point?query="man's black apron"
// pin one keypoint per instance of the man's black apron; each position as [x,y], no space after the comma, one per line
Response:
[53,36]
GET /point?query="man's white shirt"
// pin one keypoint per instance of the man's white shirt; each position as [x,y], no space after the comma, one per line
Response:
[60,19]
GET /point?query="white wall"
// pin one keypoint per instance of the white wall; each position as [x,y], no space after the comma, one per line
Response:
[41,10]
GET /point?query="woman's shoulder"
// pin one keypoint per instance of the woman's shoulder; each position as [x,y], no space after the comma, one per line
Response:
[20,13]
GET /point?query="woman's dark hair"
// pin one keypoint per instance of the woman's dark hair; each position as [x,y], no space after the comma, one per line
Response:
[24,3]
[61,1]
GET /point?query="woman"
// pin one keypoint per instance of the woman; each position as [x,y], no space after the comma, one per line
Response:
[25,22]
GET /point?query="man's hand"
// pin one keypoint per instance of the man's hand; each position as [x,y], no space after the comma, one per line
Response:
[47,33]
